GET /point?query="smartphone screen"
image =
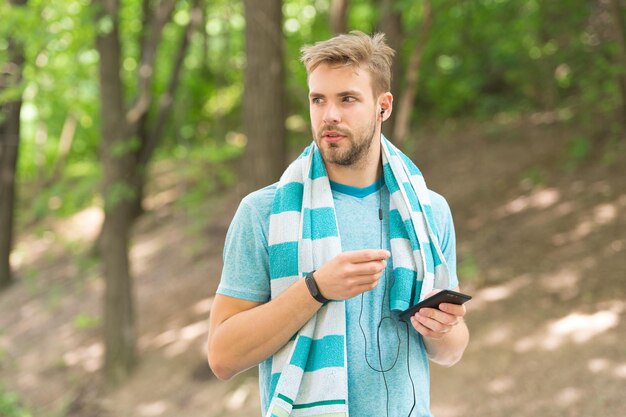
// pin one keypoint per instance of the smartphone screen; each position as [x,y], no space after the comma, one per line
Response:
[445,296]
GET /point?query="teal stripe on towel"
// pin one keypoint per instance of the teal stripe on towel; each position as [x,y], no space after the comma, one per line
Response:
[390,179]
[410,193]
[283,255]
[273,383]
[436,257]
[319,404]
[318,169]
[413,170]
[429,253]
[312,355]
[410,230]
[404,280]
[396,226]
[288,198]
[285,398]
[324,221]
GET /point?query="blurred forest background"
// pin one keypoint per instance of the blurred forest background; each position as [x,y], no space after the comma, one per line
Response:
[130,129]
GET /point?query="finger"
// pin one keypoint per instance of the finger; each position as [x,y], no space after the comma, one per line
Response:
[425,331]
[432,324]
[369,268]
[454,309]
[366,255]
[366,287]
[438,315]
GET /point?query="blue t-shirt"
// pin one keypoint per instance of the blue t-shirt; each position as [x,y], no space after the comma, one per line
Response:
[370,323]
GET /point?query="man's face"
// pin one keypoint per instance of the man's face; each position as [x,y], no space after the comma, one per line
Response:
[343,113]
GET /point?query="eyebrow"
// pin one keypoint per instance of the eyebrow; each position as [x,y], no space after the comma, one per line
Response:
[341,94]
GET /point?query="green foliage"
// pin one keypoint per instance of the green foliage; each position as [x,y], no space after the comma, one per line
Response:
[121,148]
[483,58]
[84,321]
[533,178]
[117,193]
[468,268]
[10,405]
[577,150]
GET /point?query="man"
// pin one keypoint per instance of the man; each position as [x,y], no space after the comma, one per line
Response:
[318,265]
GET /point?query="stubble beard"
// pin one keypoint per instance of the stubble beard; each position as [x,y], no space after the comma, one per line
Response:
[357,147]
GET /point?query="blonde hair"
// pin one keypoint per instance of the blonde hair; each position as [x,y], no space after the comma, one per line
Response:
[354,49]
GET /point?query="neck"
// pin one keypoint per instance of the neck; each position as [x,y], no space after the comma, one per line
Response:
[361,174]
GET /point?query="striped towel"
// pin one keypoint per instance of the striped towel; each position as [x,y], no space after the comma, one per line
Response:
[309,374]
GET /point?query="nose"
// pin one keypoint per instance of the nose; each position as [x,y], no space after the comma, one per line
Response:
[332,114]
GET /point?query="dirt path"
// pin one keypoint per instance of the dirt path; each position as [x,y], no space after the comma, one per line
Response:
[541,247]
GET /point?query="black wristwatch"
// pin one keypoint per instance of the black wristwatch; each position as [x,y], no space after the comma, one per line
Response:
[312,286]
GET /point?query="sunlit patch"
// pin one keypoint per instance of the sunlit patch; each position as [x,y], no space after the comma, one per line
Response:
[152,409]
[495,336]
[165,338]
[177,341]
[569,396]
[28,380]
[203,306]
[601,215]
[90,357]
[448,411]
[146,248]
[501,385]
[580,327]
[194,330]
[161,199]
[576,327]
[540,199]
[499,292]
[620,371]
[84,225]
[565,208]
[596,365]
[564,282]
[237,399]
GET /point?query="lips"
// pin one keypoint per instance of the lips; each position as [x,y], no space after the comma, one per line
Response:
[332,136]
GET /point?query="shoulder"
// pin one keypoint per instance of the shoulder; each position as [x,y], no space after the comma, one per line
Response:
[441,212]
[438,202]
[259,202]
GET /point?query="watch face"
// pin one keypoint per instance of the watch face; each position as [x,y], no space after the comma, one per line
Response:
[310,283]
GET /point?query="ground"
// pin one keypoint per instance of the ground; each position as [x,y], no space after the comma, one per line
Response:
[542,248]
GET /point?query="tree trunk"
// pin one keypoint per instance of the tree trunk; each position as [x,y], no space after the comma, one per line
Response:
[620,31]
[124,166]
[10,77]
[118,169]
[403,119]
[339,16]
[264,110]
[391,25]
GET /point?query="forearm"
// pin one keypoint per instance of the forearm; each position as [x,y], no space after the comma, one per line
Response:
[448,350]
[249,337]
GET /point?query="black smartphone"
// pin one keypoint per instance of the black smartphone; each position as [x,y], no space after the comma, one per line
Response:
[445,296]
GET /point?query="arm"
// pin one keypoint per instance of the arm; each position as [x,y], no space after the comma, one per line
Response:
[445,334]
[244,333]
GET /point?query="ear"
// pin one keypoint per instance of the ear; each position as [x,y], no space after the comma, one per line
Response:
[385,104]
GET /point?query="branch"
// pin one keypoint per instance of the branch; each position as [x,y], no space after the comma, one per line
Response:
[141,104]
[167,98]
[412,77]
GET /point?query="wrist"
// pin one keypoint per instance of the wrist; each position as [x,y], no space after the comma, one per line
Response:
[314,290]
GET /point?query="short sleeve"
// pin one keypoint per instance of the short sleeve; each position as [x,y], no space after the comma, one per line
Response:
[245,273]
[445,233]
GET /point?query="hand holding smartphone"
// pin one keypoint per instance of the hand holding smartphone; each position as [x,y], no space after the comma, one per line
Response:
[445,296]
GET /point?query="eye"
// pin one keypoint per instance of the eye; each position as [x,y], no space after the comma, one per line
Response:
[349,99]
[316,100]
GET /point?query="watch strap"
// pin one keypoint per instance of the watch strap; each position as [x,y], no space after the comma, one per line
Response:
[314,289]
